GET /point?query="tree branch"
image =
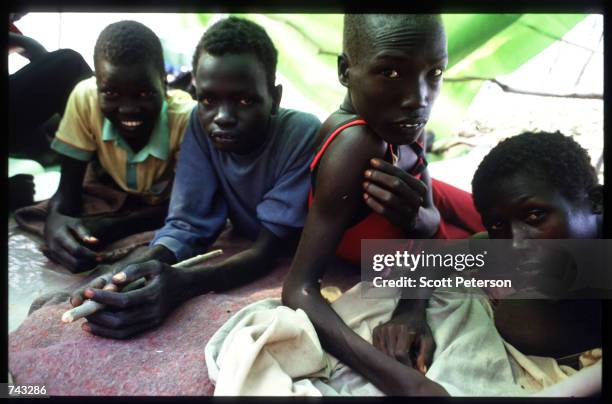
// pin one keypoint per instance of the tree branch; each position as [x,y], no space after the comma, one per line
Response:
[449,146]
[538,30]
[587,62]
[509,89]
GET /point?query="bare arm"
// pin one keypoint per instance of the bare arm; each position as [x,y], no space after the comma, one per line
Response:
[241,268]
[337,198]
[110,227]
[27,47]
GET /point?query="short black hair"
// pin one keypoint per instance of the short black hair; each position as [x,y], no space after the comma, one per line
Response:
[553,157]
[237,35]
[358,28]
[129,42]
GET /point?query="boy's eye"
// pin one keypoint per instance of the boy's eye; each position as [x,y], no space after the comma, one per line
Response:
[496,225]
[246,101]
[109,93]
[534,216]
[436,73]
[390,73]
[207,101]
[146,94]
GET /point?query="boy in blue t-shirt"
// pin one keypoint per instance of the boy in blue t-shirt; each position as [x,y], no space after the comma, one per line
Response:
[242,158]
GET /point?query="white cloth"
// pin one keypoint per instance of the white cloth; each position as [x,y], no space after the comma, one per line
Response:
[269,349]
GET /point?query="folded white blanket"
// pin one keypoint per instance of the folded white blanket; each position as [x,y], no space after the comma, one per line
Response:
[270,349]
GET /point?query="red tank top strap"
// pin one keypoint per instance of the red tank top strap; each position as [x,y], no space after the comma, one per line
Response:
[331,137]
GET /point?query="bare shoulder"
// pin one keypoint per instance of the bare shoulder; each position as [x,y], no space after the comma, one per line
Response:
[356,144]
[341,168]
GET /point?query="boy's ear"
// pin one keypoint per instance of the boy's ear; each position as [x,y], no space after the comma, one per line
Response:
[596,198]
[343,69]
[277,94]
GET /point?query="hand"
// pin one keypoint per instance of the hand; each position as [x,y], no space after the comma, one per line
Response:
[138,310]
[21,191]
[393,193]
[98,279]
[48,299]
[101,227]
[69,242]
[407,338]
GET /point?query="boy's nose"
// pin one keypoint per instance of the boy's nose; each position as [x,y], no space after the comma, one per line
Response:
[225,116]
[520,234]
[127,108]
[415,95]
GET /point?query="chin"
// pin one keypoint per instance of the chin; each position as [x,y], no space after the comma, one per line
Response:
[227,148]
[399,139]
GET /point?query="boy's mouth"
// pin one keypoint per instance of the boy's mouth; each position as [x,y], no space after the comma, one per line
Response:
[131,125]
[224,137]
[411,123]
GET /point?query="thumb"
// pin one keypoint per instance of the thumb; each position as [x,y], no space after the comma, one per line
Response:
[137,270]
[83,233]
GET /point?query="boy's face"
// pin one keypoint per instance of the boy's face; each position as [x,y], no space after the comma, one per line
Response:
[234,101]
[130,97]
[397,79]
[522,207]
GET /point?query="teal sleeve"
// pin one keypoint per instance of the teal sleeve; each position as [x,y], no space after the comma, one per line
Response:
[71,151]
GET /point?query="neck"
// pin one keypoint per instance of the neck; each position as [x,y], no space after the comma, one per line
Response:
[136,144]
[347,104]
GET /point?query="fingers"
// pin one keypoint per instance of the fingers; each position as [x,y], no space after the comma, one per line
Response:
[135,271]
[78,296]
[145,295]
[384,173]
[61,256]
[123,318]
[403,347]
[376,340]
[394,340]
[121,333]
[425,355]
[83,233]
[83,255]
[395,199]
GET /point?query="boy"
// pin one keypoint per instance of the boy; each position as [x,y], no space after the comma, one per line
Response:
[542,186]
[125,123]
[392,67]
[244,158]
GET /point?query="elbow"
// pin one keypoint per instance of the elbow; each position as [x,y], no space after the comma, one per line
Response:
[296,296]
[288,297]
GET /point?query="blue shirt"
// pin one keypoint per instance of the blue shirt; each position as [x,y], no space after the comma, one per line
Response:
[268,187]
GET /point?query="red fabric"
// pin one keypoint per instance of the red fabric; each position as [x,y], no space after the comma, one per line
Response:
[458,216]
[13,28]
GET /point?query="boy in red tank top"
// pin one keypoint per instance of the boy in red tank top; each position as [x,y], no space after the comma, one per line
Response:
[370,180]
